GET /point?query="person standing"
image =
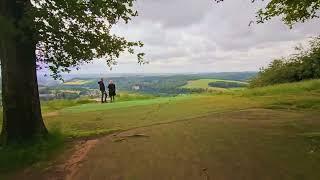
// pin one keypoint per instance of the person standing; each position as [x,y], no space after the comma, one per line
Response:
[103,91]
[112,90]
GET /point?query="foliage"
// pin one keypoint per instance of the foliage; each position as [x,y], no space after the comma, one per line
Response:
[301,66]
[72,32]
[291,11]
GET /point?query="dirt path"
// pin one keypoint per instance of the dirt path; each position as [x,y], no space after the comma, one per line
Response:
[248,144]
[72,165]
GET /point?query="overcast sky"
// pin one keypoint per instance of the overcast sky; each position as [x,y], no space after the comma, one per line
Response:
[201,36]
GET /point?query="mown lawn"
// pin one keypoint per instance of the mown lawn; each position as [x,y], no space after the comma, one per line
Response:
[91,119]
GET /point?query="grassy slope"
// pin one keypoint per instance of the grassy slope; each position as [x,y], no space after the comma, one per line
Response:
[96,118]
[294,96]
[280,143]
[93,119]
[203,83]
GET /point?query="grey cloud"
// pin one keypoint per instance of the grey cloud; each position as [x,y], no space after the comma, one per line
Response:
[198,35]
[174,13]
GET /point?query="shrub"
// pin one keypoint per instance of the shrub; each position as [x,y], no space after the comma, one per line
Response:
[301,66]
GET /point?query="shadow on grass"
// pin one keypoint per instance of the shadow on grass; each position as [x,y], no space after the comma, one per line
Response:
[18,156]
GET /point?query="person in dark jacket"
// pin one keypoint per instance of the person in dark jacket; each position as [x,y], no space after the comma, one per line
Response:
[103,91]
[112,90]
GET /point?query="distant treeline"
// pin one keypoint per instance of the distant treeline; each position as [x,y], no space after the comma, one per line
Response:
[301,66]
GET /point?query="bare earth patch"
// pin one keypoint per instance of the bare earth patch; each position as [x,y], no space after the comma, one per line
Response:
[73,164]
[64,167]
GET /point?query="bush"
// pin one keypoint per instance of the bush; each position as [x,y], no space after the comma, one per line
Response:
[301,66]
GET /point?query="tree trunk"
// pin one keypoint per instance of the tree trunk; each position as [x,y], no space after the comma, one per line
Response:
[22,117]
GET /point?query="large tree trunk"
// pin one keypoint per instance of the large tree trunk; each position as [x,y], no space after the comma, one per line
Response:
[20,97]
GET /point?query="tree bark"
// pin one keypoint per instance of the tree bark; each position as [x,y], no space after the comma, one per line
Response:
[22,117]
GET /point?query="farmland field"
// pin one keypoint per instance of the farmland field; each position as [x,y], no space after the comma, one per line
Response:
[77,82]
[204,83]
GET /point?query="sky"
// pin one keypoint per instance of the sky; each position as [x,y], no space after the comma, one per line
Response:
[192,36]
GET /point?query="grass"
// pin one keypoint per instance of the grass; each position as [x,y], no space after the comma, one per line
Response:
[125,96]
[17,156]
[82,118]
[297,96]
[251,144]
[55,105]
[203,84]
[121,104]
[304,87]
[99,118]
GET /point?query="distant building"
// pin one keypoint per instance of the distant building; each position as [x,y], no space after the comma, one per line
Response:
[135,87]
[47,96]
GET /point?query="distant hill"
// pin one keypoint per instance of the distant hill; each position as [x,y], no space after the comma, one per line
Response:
[155,84]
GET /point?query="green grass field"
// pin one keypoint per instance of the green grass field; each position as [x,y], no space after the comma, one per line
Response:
[271,131]
[203,84]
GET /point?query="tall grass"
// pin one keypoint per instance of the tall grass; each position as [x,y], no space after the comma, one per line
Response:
[16,156]
[286,89]
[59,104]
[295,96]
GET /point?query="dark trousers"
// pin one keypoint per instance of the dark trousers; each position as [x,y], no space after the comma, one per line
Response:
[112,98]
[103,96]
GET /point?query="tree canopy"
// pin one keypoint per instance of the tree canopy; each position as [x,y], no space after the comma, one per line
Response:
[73,32]
[55,34]
[291,11]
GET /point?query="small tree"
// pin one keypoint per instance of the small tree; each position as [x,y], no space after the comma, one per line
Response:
[57,34]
